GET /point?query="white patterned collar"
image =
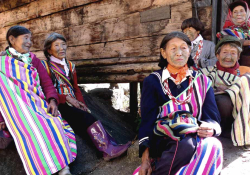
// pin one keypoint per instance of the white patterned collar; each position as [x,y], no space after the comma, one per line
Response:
[197,40]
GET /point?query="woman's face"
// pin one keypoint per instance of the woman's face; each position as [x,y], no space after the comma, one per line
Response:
[228,56]
[22,43]
[177,52]
[58,49]
[239,15]
[191,33]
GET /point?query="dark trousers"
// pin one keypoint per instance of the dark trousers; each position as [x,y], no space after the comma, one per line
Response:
[78,119]
[175,156]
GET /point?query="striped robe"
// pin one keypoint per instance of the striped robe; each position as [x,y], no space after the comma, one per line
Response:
[239,92]
[46,144]
[208,156]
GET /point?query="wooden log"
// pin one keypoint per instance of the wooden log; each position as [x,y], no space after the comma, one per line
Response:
[113,61]
[119,69]
[124,27]
[133,101]
[147,46]
[36,9]
[118,78]
[168,2]
[177,15]
[10,4]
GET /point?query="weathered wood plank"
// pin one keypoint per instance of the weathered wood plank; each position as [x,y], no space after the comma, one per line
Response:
[36,9]
[119,78]
[114,29]
[113,61]
[182,11]
[119,69]
[10,4]
[168,2]
[155,14]
[147,46]
[124,27]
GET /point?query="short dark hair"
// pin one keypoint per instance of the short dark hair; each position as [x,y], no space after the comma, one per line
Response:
[16,31]
[237,3]
[193,22]
[163,62]
[48,42]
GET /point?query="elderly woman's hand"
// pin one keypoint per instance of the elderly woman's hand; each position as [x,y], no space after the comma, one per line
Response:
[74,102]
[52,107]
[2,126]
[145,165]
[205,130]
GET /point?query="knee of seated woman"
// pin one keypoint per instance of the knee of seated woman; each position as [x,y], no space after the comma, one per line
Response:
[213,141]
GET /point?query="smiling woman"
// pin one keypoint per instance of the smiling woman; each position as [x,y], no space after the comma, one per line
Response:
[28,107]
[71,102]
[179,116]
[237,25]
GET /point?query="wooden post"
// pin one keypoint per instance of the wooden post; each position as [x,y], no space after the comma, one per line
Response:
[133,103]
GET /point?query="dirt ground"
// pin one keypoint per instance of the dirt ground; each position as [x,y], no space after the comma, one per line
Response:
[236,160]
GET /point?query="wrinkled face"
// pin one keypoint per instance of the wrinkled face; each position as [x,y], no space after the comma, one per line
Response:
[239,15]
[58,49]
[228,56]
[177,52]
[22,43]
[191,33]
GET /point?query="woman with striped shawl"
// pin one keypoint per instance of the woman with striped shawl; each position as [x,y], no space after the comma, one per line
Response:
[178,138]
[71,102]
[229,77]
[28,107]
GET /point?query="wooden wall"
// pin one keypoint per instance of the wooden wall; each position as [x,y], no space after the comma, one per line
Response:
[109,40]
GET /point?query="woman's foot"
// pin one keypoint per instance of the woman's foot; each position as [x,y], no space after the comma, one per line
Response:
[65,171]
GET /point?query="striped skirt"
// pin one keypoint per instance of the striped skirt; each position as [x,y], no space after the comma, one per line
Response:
[46,144]
[207,159]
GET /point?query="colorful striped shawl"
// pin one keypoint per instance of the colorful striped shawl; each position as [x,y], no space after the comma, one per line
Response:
[176,125]
[64,85]
[218,77]
[201,84]
[46,144]
[239,94]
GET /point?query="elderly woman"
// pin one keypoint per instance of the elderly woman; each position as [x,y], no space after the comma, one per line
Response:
[202,50]
[229,77]
[178,138]
[28,107]
[71,102]
[237,24]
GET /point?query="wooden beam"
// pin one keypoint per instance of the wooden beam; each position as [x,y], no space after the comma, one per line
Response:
[113,61]
[115,78]
[119,69]
[37,9]
[133,102]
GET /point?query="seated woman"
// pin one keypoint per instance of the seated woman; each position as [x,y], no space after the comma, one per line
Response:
[229,77]
[237,24]
[71,103]
[179,136]
[202,50]
[28,107]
